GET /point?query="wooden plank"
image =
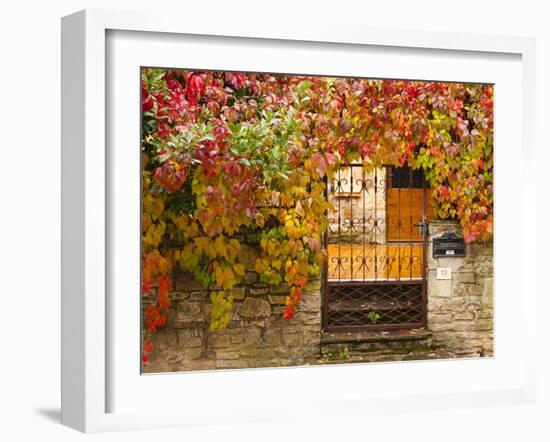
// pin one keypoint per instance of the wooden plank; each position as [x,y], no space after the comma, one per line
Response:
[403,211]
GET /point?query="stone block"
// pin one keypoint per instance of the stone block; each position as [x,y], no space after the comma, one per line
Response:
[466,352]
[442,326]
[255,308]
[312,338]
[238,293]
[228,363]
[191,337]
[439,288]
[251,352]
[189,311]
[477,325]
[464,316]
[184,281]
[252,337]
[314,284]
[277,310]
[185,354]
[165,339]
[237,339]
[485,271]
[219,340]
[281,289]
[225,354]
[455,305]
[482,324]
[250,278]
[293,338]
[436,305]
[179,296]
[485,314]
[309,318]
[315,328]
[277,299]
[273,336]
[445,317]
[195,365]
[255,291]
[473,306]
[475,290]
[310,302]
[261,323]
[199,296]
[466,277]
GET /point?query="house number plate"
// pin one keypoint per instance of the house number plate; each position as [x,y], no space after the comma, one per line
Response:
[443,273]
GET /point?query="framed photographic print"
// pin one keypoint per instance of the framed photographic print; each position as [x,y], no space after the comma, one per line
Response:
[252,213]
[286,220]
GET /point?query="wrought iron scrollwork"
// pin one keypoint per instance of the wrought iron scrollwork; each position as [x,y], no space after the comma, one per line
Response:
[373,281]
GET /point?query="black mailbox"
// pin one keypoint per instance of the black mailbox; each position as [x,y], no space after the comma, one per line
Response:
[449,244]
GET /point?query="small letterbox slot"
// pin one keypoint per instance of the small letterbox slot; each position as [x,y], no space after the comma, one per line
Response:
[450,245]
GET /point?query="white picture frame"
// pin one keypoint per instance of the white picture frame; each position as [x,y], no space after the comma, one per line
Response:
[85,307]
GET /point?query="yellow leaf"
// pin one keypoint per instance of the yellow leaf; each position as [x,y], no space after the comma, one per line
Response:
[238,269]
[206,245]
[233,249]
[219,245]
[225,277]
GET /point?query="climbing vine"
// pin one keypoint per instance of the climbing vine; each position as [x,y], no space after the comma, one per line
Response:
[233,158]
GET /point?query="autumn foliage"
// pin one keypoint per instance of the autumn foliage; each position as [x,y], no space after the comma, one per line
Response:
[233,158]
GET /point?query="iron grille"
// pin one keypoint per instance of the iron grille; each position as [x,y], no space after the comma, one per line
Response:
[376,244]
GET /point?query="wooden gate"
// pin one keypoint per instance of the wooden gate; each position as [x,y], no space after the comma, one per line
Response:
[375,276]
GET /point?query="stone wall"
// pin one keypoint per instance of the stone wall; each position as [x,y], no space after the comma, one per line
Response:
[460,310]
[459,321]
[257,335]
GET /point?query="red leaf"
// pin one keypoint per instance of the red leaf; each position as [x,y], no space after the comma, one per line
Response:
[289,313]
[164,285]
[151,311]
[148,347]
[161,320]
[146,286]
[300,281]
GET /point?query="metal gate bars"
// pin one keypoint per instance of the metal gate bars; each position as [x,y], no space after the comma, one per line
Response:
[375,275]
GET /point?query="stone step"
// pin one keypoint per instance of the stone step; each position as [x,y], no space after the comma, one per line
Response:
[377,346]
[375,336]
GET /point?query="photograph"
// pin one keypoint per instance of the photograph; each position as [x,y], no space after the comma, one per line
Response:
[292,220]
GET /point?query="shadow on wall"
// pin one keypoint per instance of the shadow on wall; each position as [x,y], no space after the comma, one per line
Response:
[50,414]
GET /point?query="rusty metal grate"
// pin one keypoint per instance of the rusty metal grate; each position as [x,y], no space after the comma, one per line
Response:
[376,243]
[375,306]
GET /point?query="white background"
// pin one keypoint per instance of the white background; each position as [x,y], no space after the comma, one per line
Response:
[30,216]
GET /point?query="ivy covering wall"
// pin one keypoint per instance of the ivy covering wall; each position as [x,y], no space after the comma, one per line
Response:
[232,158]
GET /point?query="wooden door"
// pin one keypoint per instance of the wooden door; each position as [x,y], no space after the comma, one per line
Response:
[406,198]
